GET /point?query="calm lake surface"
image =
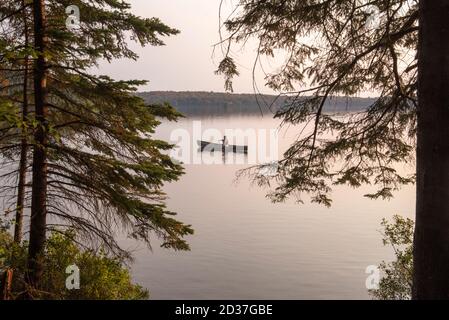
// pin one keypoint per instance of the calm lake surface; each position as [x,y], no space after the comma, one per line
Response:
[245,247]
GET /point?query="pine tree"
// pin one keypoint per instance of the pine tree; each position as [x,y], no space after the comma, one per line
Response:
[96,167]
[23,161]
[431,253]
[344,48]
[14,71]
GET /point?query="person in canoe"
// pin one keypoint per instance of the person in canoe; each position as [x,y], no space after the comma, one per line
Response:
[224,141]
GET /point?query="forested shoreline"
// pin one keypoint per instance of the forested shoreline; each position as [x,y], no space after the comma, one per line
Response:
[197,103]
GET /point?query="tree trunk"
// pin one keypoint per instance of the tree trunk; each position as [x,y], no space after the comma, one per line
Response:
[39,185]
[431,245]
[5,284]
[24,144]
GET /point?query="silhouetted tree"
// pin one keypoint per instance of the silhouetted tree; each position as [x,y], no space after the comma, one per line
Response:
[392,47]
[431,252]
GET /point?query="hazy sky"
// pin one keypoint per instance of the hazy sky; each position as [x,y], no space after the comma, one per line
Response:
[186,62]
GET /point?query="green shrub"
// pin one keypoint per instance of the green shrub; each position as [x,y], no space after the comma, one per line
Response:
[396,282]
[101,277]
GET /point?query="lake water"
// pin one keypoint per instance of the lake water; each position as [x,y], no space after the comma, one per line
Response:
[246,247]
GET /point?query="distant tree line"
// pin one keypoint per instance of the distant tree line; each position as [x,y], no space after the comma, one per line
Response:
[197,103]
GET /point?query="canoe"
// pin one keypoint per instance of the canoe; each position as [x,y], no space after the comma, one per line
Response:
[212,147]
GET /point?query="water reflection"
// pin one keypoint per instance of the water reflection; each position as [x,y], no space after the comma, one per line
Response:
[245,247]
